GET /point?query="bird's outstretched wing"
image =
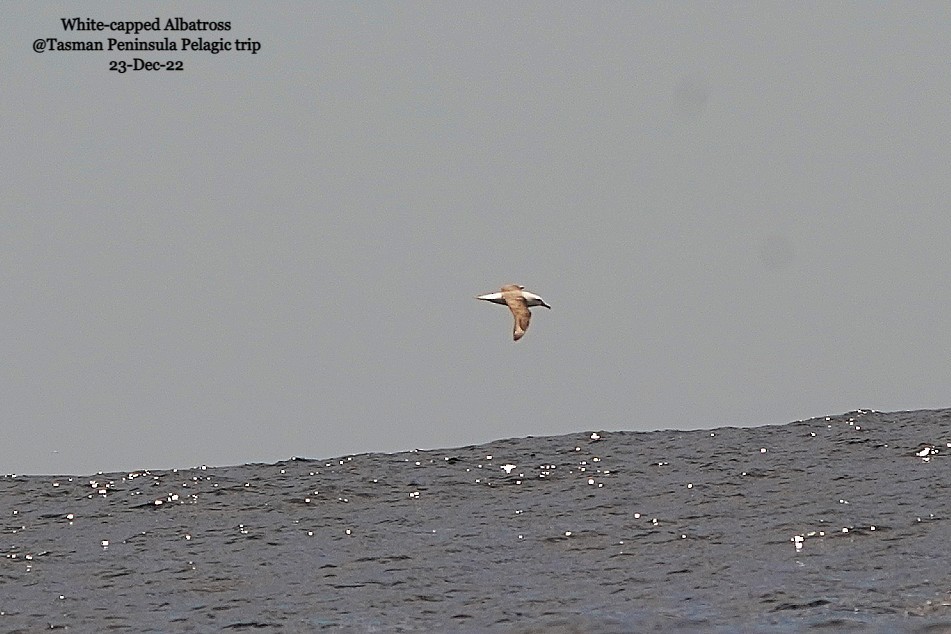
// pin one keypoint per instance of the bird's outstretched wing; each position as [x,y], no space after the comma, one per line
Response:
[520,312]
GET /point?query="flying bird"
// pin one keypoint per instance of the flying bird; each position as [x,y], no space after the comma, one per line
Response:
[519,301]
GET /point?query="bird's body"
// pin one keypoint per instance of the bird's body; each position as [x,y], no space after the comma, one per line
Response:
[519,301]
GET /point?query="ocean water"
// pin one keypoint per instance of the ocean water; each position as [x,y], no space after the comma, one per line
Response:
[832,524]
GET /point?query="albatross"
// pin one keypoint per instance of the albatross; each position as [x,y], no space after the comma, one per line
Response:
[519,301]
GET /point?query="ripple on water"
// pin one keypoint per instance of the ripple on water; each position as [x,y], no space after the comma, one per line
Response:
[759,529]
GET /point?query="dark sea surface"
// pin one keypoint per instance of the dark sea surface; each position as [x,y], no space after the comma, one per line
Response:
[832,524]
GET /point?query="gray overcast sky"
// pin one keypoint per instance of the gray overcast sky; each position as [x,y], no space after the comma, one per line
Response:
[738,212]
